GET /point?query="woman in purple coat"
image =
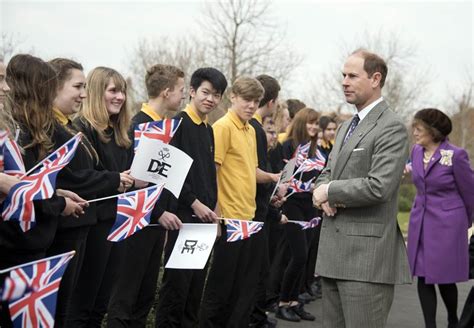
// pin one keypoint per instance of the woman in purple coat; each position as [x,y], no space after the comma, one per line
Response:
[441,214]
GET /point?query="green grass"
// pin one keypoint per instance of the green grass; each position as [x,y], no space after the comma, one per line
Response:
[403,218]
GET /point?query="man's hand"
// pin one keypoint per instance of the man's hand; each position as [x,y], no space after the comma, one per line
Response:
[204,213]
[170,221]
[320,195]
[328,210]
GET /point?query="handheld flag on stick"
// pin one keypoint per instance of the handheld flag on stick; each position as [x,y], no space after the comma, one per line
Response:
[37,308]
[241,229]
[313,223]
[162,130]
[133,212]
[39,185]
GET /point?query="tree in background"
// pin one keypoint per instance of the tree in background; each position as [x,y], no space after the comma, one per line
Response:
[463,120]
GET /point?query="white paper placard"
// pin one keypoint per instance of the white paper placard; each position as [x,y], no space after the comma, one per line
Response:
[288,170]
[193,246]
[157,162]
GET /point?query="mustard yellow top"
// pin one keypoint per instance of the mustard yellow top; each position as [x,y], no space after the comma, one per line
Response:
[150,112]
[191,111]
[282,137]
[236,153]
[259,118]
[60,116]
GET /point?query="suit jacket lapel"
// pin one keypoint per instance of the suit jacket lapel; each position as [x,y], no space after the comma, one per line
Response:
[367,124]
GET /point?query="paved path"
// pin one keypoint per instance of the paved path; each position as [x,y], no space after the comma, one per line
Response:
[405,312]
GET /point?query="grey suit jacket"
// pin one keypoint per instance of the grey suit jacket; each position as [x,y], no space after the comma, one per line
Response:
[363,241]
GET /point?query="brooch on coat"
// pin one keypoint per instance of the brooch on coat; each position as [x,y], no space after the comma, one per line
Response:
[446,157]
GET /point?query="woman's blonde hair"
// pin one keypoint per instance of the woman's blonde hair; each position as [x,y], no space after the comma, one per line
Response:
[33,86]
[95,111]
[298,132]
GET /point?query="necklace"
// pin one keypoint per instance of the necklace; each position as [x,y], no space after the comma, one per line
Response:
[427,157]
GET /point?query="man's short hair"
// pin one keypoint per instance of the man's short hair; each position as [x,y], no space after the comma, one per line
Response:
[159,77]
[210,74]
[373,63]
[294,105]
[271,86]
[248,88]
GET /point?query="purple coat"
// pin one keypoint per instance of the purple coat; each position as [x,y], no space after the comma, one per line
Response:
[441,215]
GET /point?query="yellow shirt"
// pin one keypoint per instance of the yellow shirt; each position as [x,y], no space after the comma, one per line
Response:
[60,117]
[150,112]
[282,137]
[191,111]
[236,153]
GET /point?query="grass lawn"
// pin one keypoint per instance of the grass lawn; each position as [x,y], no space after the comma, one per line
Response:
[403,218]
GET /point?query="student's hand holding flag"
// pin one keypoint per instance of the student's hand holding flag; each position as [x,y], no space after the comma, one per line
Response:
[6,183]
[170,221]
[74,203]
[204,213]
[126,181]
[283,219]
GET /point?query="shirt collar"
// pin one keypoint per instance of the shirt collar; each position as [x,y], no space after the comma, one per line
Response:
[191,111]
[150,112]
[60,116]
[364,112]
[258,117]
[236,120]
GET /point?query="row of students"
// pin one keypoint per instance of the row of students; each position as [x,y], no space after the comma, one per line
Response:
[121,278]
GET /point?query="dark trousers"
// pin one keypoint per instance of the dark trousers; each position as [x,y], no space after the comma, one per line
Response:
[278,267]
[97,275]
[299,242]
[312,257]
[227,300]
[180,293]
[467,315]
[134,291]
[67,240]
[258,318]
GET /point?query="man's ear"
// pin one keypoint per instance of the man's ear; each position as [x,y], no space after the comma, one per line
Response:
[166,93]
[376,78]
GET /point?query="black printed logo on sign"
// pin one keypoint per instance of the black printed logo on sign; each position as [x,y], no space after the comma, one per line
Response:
[159,165]
[191,245]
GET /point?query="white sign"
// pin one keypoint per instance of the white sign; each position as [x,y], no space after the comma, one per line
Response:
[158,163]
[193,246]
[287,172]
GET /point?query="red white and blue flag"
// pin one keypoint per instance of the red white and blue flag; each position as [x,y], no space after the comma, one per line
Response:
[37,308]
[133,212]
[14,288]
[18,206]
[313,223]
[12,159]
[162,130]
[315,163]
[296,186]
[3,139]
[241,229]
[301,153]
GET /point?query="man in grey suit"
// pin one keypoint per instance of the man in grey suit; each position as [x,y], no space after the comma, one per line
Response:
[361,253]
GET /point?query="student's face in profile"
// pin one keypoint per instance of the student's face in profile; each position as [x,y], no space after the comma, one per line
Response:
[4,88]
[312,128]
[205,99]
[271,133]
[244,108]
[330,132]
[286,119]
[70,97]
[175,97]
[114,98]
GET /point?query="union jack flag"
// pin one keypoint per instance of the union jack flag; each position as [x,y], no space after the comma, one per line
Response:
[133,212]
[14,288]
[38,308]
[18,205]
[162,130]
[3,138]
[315,163]
[301,153]
[313,223]
[298,186]
[241,229]
[12,159]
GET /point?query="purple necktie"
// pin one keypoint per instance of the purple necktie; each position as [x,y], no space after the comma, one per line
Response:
[354,122]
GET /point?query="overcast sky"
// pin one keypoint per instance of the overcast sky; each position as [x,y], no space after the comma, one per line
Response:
[104,33]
